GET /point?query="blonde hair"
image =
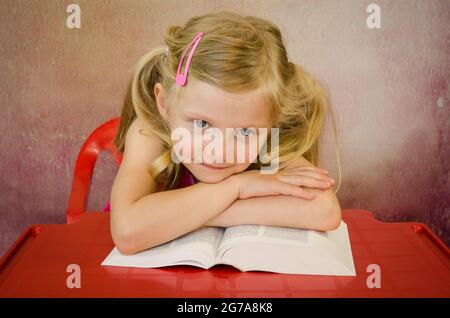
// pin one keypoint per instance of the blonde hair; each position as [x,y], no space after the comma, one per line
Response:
[237,54]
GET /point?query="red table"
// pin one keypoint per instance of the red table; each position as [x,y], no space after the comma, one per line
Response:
[413,263]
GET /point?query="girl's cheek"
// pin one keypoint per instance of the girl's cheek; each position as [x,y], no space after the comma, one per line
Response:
[193,147]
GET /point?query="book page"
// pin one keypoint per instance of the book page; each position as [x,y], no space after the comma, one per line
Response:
[287,250]
[208,238]
[263,233]
[336,243]
[193,248]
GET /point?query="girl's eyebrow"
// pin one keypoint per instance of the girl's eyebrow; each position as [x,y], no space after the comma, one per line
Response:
[195,115]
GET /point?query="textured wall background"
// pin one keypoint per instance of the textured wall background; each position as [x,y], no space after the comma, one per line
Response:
[390,89]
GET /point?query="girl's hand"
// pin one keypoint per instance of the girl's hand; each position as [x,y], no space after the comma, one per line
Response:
[289,181]
[311,176]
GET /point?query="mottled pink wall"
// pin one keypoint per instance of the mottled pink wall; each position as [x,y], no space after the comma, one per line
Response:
[390,89]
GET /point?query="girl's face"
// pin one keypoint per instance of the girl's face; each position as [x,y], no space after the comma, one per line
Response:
[235,120]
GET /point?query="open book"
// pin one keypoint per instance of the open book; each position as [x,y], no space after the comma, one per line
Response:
[249,248]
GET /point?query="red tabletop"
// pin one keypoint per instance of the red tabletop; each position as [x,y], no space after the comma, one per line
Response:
[412,260]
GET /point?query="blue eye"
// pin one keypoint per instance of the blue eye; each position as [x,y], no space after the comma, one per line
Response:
[247,132]
[200,123]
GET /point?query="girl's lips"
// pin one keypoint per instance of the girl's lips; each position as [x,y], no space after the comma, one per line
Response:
[213,168]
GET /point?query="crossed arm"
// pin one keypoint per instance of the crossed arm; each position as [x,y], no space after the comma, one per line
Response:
[323,213]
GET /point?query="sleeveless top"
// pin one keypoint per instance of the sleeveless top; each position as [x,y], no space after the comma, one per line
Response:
[186,179]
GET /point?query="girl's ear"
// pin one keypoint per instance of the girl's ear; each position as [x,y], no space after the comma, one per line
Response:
[161,100]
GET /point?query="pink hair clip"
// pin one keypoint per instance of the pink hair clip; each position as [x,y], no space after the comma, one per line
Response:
[181,78]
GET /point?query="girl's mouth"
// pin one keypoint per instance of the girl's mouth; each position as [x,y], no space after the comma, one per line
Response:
[212,167]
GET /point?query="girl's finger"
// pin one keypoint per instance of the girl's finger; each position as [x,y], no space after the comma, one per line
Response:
[301,193]
[295,191]
[305,181]
[289,189]
[312,174]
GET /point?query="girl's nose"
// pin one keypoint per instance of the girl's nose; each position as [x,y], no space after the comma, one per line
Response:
[214,153]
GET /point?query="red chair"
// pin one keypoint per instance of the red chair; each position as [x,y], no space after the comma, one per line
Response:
[100,139]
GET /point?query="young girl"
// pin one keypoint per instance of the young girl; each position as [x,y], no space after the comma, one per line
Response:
[221,70]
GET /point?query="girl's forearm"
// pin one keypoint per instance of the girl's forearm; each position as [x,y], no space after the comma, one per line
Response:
[160,217]
[323,213]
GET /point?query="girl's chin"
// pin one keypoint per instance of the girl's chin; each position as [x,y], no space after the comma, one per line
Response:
[212,177]
[207,174]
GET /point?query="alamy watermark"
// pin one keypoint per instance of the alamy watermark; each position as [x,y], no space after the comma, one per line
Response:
[374,279]
[74,279]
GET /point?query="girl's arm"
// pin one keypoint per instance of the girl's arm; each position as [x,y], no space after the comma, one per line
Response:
[323,213]
[162,216]
[159,217]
